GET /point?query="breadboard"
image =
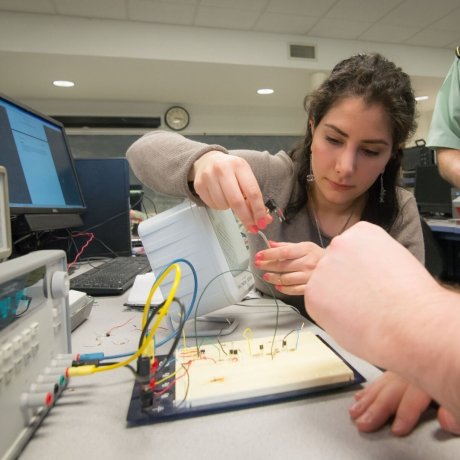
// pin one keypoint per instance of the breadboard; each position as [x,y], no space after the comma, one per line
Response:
[232,375]
[251,368]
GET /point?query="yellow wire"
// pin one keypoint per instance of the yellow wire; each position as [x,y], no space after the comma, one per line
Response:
[163,311]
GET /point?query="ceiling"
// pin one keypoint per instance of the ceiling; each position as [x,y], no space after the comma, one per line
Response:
[427,24]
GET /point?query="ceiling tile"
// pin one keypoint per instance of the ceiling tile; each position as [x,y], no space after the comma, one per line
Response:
[180,2]
[285,23]
[29,6]
[254,5]
[434,37]
[302,7]
[161,12]
[229,18]
[361,10]
[110,9]
[388,34]
[450,22]
[335,28]
[419,13]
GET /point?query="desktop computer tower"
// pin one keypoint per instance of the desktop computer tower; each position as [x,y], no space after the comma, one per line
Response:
[432,193]
[105,186]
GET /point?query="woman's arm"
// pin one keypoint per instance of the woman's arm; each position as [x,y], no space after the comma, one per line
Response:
[162,161]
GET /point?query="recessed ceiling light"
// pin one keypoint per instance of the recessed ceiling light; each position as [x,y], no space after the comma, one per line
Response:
[421,98]
[63,83]
[265,91]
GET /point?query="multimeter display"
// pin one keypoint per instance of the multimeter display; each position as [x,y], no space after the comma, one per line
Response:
[21,295]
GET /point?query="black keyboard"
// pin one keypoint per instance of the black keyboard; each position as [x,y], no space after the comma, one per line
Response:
[112,277]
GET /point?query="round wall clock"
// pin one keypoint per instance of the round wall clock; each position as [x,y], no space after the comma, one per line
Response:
[177,118]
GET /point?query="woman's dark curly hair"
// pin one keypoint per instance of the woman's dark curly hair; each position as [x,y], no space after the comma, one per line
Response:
[378,81]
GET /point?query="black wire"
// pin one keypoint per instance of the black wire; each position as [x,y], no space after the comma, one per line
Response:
[178,334]
[151,202]
[179,329]
[153,311]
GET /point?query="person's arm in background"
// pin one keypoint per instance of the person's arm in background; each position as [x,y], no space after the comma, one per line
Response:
[386,308]
[449,165]
[444,132]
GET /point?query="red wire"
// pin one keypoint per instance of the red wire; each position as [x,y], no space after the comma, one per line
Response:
[90,238]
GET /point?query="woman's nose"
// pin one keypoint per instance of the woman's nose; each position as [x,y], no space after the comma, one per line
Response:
[345,163]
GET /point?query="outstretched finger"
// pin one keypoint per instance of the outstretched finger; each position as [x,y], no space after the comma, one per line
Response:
[253,196]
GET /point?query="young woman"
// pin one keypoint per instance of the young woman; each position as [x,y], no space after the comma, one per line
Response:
[345,170]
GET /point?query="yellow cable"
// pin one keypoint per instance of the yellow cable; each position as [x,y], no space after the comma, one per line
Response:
[163,311]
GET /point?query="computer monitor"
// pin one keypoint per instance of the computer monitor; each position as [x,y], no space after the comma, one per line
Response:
[432,192]
[105,186]
[43,185]
[213,243]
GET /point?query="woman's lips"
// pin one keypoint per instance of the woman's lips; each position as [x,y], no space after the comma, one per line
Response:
[338,186]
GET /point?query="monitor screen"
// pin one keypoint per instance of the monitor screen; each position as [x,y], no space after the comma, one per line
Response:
[36,155]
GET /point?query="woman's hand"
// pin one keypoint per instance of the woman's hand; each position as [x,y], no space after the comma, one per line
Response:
[289,266]
[225,181]
[390,395]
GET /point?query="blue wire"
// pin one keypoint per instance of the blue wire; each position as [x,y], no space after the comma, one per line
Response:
[192,303]
[187,314]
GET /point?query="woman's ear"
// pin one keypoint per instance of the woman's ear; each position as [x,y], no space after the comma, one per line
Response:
[312,125]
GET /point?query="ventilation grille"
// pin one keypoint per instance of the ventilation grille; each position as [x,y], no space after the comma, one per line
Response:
[107,122]
[302,51]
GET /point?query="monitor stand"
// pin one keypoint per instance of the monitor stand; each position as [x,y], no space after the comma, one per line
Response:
[42,222]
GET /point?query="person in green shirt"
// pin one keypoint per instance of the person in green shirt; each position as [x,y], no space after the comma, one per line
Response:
[444,132]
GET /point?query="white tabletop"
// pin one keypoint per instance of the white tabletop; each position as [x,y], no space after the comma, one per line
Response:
[444,225]
[89,420]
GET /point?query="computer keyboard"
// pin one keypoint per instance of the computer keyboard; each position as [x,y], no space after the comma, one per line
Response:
[111,278]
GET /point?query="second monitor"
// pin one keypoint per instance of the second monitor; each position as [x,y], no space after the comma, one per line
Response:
[105,186]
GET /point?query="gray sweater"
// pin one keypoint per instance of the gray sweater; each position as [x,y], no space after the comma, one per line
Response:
[162,160]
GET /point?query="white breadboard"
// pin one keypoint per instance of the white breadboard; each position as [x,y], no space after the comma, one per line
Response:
[256,367]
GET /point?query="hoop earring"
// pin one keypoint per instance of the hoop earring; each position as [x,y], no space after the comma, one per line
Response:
[382,190]
[310,176]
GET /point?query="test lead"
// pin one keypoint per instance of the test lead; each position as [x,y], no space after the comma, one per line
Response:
[273,208]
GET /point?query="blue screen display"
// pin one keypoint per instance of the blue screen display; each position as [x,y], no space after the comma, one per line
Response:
[38,161]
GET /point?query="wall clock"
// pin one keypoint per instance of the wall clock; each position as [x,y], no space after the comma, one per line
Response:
[177,118]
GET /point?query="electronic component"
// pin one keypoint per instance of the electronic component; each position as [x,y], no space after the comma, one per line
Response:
[34,344]
[273,208]
[230,375]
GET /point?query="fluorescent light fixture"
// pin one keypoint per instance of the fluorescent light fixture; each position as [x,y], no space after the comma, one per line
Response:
[63,83]
[265,91]
[421,98]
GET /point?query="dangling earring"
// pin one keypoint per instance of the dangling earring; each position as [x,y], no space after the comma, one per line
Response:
[382,190]
[311,176]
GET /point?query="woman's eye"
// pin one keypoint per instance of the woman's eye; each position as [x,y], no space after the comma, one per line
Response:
[332,140]
[370,153]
